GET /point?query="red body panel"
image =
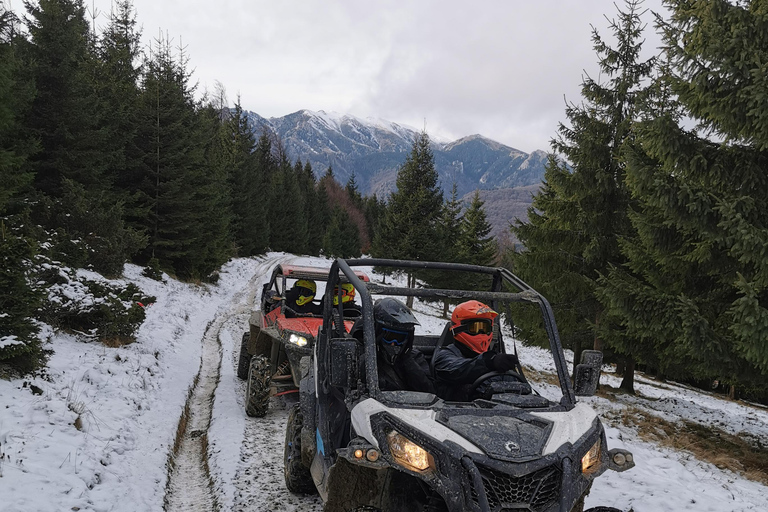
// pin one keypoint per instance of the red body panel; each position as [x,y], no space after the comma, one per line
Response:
[304,325]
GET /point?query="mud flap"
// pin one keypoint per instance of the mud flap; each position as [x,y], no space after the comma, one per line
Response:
[351,486]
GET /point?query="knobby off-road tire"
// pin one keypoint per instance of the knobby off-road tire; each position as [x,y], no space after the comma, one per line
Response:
[257,388]
[244,360]
[297,476]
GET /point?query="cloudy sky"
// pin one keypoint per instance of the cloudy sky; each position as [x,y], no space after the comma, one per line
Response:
[501,68]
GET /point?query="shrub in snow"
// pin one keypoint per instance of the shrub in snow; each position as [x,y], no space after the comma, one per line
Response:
[19,343]
[87,304]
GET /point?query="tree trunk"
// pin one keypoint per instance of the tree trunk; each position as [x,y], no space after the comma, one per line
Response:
[628,382]
[445,308]
[598,344]
[732,392]
[410,280]
[621,367]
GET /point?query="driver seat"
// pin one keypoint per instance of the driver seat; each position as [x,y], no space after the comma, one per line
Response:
[445,339]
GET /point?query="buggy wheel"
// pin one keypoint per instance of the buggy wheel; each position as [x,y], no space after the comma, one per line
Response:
[257,389]
[245,359]
[297,476]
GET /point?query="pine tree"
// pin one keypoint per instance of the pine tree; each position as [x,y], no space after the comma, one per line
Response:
[119,52]
[575,222]
[180,194]
[409,229]
[695,288]
[314,231]
[341,238]
[287,228]
[16,93]
[66,113]
[247,185]
[265,167]
[478,247]
[18,301]
[450,237]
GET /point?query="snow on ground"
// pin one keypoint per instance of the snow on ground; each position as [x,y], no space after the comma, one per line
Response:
[129,400]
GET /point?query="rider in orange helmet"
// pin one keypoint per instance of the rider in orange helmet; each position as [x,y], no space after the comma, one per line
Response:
[469,356]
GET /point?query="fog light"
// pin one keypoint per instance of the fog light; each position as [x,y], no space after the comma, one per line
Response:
[358,454]
[372,455]
[629,457]
[620,459]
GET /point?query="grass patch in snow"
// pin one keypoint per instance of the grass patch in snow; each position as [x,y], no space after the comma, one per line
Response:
[743,454]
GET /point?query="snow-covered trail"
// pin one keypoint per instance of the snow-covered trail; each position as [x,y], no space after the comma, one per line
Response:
[190,486]
[255,481]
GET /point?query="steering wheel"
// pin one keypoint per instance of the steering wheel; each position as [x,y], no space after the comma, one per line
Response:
[487,376]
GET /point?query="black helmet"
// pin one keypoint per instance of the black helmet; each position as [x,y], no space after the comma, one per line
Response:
[395,325]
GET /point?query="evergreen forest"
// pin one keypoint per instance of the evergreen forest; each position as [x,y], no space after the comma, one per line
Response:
[109,154]
[649,235]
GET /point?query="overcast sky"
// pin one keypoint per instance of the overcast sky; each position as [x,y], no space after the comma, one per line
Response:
[500,68]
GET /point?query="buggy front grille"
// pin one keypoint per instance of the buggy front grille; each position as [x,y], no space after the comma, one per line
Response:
[536,492]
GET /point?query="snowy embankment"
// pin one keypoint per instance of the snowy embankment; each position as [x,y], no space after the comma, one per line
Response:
[98,435]
[128,401]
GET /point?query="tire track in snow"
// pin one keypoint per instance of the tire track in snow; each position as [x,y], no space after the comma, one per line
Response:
[190,485]
[259,476]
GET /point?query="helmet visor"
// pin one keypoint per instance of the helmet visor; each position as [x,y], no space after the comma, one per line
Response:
[393,337]
[480,326]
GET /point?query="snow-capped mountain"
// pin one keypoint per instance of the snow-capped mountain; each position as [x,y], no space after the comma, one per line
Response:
[374,149]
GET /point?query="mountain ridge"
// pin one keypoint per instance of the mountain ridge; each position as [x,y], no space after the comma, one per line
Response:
[373,149]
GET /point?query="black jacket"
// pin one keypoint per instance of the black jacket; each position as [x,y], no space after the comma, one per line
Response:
[457,367]
[310,308]
[409,373]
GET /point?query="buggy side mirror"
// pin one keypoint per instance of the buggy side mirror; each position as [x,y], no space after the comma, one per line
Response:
[343,362]
[587,375]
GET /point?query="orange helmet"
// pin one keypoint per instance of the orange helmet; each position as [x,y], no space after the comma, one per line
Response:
[473,325]
[347,294]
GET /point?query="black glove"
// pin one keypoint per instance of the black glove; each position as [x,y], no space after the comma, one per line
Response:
[504,362]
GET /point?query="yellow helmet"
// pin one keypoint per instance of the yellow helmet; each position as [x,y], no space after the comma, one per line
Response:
[347,294]
[307,290]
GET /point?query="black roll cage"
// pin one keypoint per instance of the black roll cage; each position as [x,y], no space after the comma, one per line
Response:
[494,296]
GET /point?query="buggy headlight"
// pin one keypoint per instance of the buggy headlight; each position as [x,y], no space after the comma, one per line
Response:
[298,340]
[590,462]
[407,453]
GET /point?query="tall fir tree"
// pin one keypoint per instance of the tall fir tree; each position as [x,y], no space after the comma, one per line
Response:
[18,300]
[178,191]
[410,227]
[579,215]
[478,247]
[287,228]
[695,287]
[247,185]
[450,237]
[119,68]
[65,114]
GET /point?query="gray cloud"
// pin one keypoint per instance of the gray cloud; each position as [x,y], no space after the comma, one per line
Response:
[499,68]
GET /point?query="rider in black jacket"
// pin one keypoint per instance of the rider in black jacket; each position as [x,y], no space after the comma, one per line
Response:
[467,357]
[299,299]
[400,366]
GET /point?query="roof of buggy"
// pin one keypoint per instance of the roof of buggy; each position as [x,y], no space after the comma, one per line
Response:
[303,272]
